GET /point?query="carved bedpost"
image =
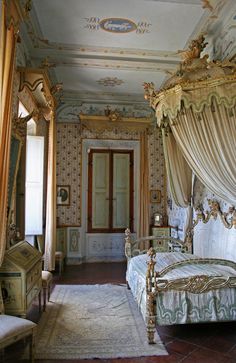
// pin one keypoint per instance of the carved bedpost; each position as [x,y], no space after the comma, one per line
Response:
[188,241]
[151,288]
[128,252]
[128,248]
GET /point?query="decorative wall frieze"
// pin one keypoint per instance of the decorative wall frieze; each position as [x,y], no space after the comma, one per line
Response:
[77,110]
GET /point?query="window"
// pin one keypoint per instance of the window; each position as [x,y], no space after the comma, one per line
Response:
[110,190]
[33,178]
[34,185]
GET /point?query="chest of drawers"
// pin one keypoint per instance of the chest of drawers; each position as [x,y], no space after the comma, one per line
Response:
[20,278]
[160,245]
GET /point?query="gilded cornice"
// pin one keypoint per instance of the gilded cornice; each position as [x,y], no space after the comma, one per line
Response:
[107,123]
[38,83]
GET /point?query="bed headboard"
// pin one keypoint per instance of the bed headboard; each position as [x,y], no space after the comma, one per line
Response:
[214,232]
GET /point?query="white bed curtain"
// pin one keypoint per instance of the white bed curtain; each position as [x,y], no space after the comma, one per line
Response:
[207,140]
[179,176]
[178,171]
[202,118]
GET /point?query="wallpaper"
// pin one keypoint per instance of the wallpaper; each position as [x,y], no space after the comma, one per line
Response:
[69,172]
[157,174]
[69,158]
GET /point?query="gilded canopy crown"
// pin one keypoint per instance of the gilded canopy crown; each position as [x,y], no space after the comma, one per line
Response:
[195,82]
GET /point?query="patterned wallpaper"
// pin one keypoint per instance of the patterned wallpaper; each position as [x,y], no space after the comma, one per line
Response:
[69,158]
[69,171]
[157,173]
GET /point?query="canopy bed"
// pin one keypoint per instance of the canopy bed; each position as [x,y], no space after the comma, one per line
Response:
[196,114]
[177,287]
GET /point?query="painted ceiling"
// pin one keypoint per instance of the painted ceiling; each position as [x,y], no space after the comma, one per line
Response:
[102,51]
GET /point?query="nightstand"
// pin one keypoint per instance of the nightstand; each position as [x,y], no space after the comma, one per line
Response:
[160,245]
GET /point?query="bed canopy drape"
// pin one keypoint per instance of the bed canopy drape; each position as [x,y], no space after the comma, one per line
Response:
[197,109]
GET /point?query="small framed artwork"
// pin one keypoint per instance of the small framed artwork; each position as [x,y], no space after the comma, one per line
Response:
[74,236]
[63,195]
[155,196]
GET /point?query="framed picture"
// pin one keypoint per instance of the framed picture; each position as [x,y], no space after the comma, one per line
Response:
[63,195]
[155,196]
[73,240]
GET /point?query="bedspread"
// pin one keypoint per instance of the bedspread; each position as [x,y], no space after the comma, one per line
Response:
[181,307]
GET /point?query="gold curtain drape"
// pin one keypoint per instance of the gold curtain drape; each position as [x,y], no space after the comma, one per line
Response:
[143,228]
[50,232]
[7,63]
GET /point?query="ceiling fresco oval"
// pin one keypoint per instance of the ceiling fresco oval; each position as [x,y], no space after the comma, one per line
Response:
[117,25]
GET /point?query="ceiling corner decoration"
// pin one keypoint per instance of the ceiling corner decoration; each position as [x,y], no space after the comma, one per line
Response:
[117,25]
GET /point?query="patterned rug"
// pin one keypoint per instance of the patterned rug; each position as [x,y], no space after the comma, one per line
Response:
[93,321]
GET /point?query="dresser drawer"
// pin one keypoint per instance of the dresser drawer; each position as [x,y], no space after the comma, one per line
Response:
[34,292]
[33,275]
[160,231]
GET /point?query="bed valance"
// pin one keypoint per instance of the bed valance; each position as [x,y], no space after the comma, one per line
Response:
[198,106]
[167,104]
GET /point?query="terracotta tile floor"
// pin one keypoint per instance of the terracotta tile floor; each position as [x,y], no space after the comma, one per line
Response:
[198,343]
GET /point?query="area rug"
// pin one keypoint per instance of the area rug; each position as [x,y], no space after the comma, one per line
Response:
[93,321]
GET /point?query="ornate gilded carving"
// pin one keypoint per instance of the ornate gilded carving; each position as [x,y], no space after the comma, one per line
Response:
[197,284]
[194,72]
[206,5]
[151,290]
[149,90]
[27,7]
[113,115]
[128,244]
[194,51]
[227,218]
[19,124]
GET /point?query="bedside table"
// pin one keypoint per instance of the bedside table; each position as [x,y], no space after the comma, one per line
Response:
[160,245]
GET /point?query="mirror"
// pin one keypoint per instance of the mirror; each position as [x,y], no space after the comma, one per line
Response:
[15,154]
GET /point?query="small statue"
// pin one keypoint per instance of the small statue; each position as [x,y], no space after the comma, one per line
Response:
[194,51]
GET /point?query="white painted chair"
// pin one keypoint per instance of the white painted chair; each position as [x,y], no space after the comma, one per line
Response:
[46,284]
[13,329]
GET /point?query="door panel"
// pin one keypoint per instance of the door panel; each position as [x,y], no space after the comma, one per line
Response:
[121,181]
[100,192]
[110,190]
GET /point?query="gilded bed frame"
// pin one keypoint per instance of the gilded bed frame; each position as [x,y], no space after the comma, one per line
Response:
[155,282]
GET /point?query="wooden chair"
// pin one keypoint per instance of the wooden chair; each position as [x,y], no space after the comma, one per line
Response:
[13,329]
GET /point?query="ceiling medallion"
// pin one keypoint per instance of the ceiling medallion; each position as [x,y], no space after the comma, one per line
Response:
[110,81]
[117,25]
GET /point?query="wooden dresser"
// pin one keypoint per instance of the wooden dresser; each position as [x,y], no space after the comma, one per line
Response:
[21,278]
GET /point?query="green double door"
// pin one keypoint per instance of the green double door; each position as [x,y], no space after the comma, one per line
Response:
[110,190]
